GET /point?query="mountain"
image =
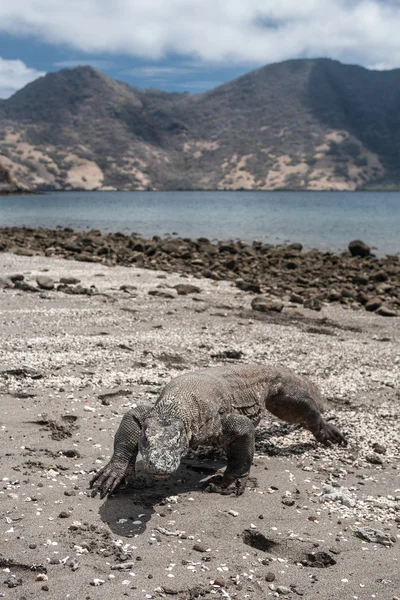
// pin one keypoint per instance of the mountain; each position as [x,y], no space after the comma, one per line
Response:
[300,124]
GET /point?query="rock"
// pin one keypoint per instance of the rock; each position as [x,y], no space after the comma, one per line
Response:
[312,303]
[359,248]
[373,304]
[201,548]
[45,282]
[184,289]
[334,296]
[248,286]
[262,304]
[5,282]
[380,276]
[374,459]
[219,581]
[16,277]
[296,298]
[270,576]
[162,294]
[378,448]
[385,311]
[292,264]
[281,589]
[288,502]
[373,535]
[69,280]
[25,287]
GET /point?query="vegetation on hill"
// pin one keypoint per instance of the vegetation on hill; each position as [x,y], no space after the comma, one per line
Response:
[301,124]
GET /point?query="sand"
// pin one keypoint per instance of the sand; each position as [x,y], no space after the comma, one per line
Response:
[59,355]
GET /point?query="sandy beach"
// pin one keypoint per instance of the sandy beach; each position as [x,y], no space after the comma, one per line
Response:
[71,364]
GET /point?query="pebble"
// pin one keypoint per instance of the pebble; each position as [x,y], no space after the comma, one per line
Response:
[201,548]
[270,576]
[281,589]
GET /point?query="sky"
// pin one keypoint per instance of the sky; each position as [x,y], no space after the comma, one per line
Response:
[189,45]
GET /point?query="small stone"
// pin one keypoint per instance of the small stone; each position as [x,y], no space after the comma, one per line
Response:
[184,289]
[281,589]
[385,311]
[32,546]
[270,576]
[42,577]
[96,582]
[373,304]
[378,448]
[261,304]
[219,581]
[201,548]
[233,513]
[69,280]
[64,515]
[288,502]
[45,588]
[45,282]
[374,459]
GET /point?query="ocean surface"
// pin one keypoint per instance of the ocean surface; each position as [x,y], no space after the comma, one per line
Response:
[324,220]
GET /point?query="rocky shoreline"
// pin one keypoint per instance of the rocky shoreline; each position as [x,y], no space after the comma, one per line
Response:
[276,275]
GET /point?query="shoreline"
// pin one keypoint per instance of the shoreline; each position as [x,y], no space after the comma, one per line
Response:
[73,363]
[285,273]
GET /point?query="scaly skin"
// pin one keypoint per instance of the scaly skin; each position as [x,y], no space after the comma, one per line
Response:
[219,406]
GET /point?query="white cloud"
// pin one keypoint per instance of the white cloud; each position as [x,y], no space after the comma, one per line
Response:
[14,74]
[224,31]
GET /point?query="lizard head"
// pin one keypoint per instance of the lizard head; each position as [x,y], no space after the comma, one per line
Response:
[162,445]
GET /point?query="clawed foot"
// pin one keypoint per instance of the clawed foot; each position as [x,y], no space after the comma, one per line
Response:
[107,480]
[329,434]
[217,485]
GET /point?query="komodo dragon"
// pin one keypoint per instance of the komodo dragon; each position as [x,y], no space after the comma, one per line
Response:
[218,406]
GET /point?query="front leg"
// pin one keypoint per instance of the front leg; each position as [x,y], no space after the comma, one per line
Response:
[123,460]
[238,439]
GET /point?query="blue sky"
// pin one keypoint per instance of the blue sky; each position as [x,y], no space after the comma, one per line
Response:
[189,45]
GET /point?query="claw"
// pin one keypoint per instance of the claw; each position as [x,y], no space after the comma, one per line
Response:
[106,481]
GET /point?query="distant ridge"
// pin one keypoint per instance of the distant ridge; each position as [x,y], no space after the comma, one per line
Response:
[301,124]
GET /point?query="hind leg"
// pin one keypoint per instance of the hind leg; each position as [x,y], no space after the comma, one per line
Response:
[304,410]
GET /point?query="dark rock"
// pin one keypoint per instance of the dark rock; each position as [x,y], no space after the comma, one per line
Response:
[200,548]
[262,304]
[373,304]
[25,287]
[312,303]
[270,576]
[248,286]
[45,282]
[162,294]
[359,248]
[16,277]
[69,280]
[288,502]
[296,298]
[232,354]
[292,264]
[380,276]
[385,311]
[186,288]
[378,448]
